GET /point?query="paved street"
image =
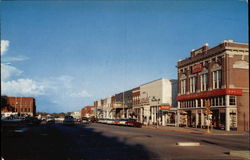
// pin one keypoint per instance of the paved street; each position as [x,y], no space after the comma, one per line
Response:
[106,142]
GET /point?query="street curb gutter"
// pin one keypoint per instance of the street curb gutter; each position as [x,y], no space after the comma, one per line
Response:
[166,129]
[242,154]
[172,130]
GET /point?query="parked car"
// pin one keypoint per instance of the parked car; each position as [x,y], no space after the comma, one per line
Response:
[123,122]
[84,120]
[68,120]
[110,121]
[133,123]
[32,121]
[51,121]
[12,127]
[117,121]
[102,120]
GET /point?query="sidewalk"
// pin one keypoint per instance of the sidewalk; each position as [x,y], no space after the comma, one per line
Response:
[195,130]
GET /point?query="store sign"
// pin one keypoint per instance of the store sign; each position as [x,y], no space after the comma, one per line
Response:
[164,107]
[144,101]
[207,94]
[197,68]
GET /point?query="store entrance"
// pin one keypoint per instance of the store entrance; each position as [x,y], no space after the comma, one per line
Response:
[216,118]
[189,118]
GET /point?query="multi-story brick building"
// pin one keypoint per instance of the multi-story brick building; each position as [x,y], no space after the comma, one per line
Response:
[136,103]
[88,111]
[21,105]
[218,77]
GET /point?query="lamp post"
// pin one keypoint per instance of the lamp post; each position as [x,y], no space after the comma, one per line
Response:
[157,109]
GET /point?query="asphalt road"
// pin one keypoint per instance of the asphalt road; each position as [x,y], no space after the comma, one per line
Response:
[108,142]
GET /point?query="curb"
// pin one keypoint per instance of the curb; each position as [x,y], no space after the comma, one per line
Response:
[205,133]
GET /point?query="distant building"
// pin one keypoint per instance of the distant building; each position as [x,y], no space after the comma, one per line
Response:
[136,103]
[217,77]
[76,115]
[20,105]
[88,111]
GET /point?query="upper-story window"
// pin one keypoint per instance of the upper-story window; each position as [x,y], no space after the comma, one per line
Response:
[204,82]
[183,86]
[192,83]
[217,79]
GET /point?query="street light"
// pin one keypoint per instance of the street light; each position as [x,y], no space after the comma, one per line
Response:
[157,109]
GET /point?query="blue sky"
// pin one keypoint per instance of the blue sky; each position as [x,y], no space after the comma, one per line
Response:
[67,54]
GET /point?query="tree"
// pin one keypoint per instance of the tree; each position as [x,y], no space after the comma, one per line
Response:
[5,105]
[3,101]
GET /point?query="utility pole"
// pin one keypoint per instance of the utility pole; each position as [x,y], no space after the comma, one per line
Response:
[123,104]
[157,110]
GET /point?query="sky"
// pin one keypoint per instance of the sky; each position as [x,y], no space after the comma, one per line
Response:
[67,54]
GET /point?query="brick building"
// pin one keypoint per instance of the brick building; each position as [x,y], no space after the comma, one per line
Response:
[88,111]
[218,77]
[136,103]
[22,105]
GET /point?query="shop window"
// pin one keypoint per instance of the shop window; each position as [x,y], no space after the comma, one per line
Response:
[199,102]
[220,101]
[224,100]
[211,101]
[216,103]
[232,100]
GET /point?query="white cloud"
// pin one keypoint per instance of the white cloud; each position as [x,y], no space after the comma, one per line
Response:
[59,91]
[15,59]
[8,71]
[4,46]
[80,94]
[22,87]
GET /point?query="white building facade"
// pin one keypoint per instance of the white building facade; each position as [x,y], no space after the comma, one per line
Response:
[158,102]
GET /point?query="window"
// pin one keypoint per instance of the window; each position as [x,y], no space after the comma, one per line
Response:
[192,84]
[217,79]
[232,100]
[204,82]
[199,102]
[183,86]
[220,101]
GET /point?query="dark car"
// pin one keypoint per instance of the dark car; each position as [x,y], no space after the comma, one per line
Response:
[133,123]
[68,120]
[12,127]
[32,121]
[84,120]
